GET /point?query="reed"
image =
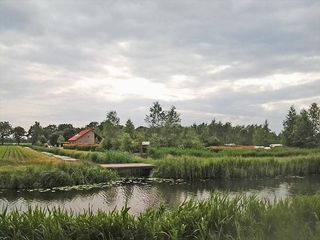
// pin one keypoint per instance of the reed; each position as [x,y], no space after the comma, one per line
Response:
[219,217]
[191,168]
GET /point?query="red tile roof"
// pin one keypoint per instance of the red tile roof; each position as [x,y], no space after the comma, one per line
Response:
[79,135]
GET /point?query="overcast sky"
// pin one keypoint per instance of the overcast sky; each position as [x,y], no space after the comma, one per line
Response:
[240,61]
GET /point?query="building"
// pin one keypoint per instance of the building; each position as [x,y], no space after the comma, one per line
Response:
[85,137]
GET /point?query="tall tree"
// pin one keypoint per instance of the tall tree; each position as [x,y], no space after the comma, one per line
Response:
[5,130]
[113,118]
[129,128]
[289,127]
[156,117]
[303,134]
[18,133]
[314,115]
[36,133]
[172,117]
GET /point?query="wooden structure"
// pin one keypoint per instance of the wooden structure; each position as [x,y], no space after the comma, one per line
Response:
[85,137]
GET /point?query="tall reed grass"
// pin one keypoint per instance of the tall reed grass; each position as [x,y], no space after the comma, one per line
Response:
[219,217]
[191,168]
[48,176]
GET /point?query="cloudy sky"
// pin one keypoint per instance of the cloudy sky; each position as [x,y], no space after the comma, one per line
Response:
[241,61]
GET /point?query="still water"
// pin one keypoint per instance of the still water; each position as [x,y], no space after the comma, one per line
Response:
[142,194]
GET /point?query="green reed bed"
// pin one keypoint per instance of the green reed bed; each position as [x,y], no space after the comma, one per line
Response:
[110,156]
[191,168]
[275,152]
[219,217]
[48,176]
[159,153]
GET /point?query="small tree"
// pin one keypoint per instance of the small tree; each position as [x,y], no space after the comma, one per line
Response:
[5,130]
[60,140]
[156,117]
[129,128]
[18,133]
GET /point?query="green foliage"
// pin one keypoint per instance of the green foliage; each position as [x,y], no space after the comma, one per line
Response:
[156,117]
[18,133]
[5,130]
[219,217]
[61,140]
[302,130]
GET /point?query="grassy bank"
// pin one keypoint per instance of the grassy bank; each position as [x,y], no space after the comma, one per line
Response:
[25,168]
[191,168]
[219,217]
[97,157]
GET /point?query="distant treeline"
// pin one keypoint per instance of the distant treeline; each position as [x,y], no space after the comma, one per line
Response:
[164,130]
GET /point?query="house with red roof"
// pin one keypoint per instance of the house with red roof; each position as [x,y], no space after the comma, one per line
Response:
[85,137]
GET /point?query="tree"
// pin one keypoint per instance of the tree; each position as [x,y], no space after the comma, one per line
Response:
[67,130]
[93,125]
[289,127]
[314,115]
[60,140]
[172,117]
[111,130]
[5,130]
[113,118]
[35,132]
[156,117]
[129,128]
[18,133]
[303,135]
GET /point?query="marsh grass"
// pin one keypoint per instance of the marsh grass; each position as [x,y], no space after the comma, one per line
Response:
[219,217]
[191,168]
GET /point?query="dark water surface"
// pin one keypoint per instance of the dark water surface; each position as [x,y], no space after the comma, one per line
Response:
[143,194]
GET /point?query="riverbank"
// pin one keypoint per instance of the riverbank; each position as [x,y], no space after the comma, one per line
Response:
[219,217]
[24,168]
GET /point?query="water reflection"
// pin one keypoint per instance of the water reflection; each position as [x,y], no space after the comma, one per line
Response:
[139,196]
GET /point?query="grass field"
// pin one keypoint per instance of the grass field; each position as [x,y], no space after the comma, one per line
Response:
[25,168]
[219,217]
[97,157]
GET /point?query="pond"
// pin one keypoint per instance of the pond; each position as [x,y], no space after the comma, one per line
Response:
[141,194]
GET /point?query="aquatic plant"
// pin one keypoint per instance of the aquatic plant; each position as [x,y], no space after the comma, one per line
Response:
[219,217]
[192,168]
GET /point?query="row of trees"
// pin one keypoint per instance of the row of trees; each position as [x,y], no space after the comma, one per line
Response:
[37,135]
[164,129]
[302,129]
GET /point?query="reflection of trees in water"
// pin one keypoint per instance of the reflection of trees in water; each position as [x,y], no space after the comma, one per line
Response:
[305,186]
[140,197]
[11,195]
[110,195]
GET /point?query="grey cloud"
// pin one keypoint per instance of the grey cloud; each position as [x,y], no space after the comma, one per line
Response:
[69,40]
